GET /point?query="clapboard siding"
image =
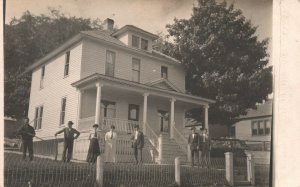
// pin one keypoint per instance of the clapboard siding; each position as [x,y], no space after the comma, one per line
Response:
[94,56]
[56,86]
[243,131]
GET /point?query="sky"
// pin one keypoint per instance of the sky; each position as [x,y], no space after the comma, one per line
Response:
[150,15]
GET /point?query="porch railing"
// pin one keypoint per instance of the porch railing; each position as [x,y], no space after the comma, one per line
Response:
[121,125]
[152,136]
[180,140]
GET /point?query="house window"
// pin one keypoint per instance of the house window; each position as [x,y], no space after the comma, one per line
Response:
[110,63]
[63,111]
[164,72]
[66,72]
[135,41]
[133,112]
[108,109]
[42,77]
[144,44]
[136,63]
[38,117]
[261,127]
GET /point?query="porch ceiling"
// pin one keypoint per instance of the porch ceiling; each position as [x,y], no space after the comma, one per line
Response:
[129,87]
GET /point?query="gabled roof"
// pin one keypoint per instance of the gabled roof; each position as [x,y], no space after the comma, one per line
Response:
[134,28]
[262,110]
[164,84]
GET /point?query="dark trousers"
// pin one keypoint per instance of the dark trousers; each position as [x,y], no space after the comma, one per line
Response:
[68,145]
[193,153]
[27,144]
[138,153]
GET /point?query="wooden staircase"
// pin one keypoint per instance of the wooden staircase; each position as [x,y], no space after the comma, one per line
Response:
[171,150]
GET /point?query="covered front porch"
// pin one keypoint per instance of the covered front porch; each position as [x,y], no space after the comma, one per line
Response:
[110,101]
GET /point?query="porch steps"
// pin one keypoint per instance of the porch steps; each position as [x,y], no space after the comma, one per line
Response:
[171,150]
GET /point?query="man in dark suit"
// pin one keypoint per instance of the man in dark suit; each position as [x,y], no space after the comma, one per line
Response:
[205,148]
[194,143]
[69,137]
[27,132]
[137,143]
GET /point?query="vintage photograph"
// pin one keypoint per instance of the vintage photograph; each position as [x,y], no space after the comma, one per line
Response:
[138,93]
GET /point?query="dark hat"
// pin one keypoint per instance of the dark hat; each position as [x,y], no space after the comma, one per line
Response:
[112,127]
[193,128]
[70,123]
[136,126]
[95,125]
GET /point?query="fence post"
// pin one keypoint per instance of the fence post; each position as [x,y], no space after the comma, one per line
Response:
[177,171]
[229,168]
[250,168]
[160,142]
[99,171]
[189,155]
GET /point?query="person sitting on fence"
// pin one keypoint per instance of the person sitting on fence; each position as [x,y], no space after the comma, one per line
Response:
[137,144]
[69,137]
[27,133]
[194,143]
[205,148]
[110,145]
[94,148]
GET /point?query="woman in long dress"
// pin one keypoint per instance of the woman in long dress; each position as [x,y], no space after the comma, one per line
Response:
[110,145]
[94,148]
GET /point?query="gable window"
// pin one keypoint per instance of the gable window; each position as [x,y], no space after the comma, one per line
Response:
[63,111]
[67,61]
[38,117]
[144,44]
[135,41]
[164,72]
[133,112]
[261,127]
[136,63]
[110,63]
[42,77]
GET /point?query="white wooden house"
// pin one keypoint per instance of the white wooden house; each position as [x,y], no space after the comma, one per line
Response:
[111,77]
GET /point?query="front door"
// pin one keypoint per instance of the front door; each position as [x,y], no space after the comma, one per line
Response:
[163,120]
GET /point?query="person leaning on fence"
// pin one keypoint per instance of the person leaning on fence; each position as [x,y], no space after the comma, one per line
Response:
[205,148]
[94,148]
[69,137]
[194,143]
[137,144]
[110,145]
[27,133]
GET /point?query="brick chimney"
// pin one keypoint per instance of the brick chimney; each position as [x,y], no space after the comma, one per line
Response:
[108,24]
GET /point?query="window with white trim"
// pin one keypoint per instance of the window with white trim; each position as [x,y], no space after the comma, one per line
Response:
[135,41]
[38,118]
[63,111]
[144,44]
[110,63]
[42,77]
[67,62]
[164,72]
[261,127]
[136,64]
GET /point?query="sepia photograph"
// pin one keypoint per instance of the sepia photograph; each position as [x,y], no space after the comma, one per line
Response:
[138,93]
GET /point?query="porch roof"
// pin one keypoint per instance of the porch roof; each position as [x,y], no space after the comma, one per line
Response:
[87,82]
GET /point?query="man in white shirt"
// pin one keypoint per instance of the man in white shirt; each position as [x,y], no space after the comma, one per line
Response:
[110,145]
[137,144]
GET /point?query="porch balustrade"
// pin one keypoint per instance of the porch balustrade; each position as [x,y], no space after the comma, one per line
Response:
[152,136]
[121,125]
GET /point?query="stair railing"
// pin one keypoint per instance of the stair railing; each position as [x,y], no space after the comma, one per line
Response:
[152,136]
[180,140]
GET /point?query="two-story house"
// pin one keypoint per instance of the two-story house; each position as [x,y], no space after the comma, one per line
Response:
[111,77]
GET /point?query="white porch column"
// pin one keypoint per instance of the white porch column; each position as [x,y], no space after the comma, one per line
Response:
[206,117]
[80,93]
[172,121]
[98,103]
[145,111]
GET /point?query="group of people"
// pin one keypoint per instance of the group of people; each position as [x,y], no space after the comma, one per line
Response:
[200,146]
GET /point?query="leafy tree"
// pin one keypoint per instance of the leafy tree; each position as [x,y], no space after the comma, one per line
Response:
[27,39]
[223,57]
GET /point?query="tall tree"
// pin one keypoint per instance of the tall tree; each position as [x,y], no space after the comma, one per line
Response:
[223,57]
[27,39]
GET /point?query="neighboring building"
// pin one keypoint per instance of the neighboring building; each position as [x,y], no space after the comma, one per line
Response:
[257,124]
[111,77]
